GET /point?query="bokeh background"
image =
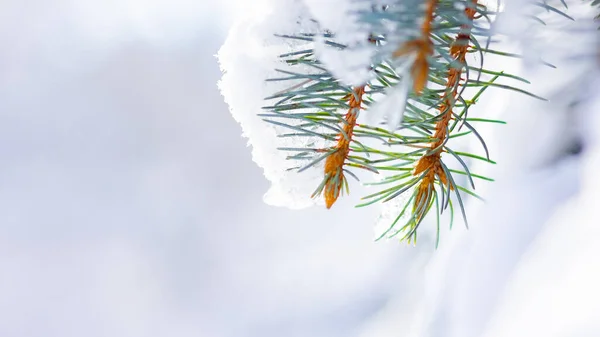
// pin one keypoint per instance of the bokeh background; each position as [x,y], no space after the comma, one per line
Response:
[130,205]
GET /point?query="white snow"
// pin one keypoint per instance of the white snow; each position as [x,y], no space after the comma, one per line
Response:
[248,58]
[350,65]
[390,108]
[129,205]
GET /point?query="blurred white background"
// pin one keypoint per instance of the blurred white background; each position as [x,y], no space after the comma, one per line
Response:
[129,204]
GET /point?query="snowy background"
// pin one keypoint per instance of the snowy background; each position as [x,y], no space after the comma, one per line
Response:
[130,205]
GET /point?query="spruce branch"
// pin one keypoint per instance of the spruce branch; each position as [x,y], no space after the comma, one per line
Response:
[420,71]
[334,164]
[431,165]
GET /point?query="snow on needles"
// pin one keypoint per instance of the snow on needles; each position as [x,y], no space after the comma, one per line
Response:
[349,65]
[249,57]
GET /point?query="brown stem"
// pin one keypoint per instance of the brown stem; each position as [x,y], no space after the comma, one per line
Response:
[334,164]
[423,48]
[432,161]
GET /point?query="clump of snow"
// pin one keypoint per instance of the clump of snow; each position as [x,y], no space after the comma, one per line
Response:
[351,64]
[248,58]
[391,106]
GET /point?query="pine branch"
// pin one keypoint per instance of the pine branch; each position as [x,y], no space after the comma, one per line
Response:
[430,165]
[429,70]
[334,164]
